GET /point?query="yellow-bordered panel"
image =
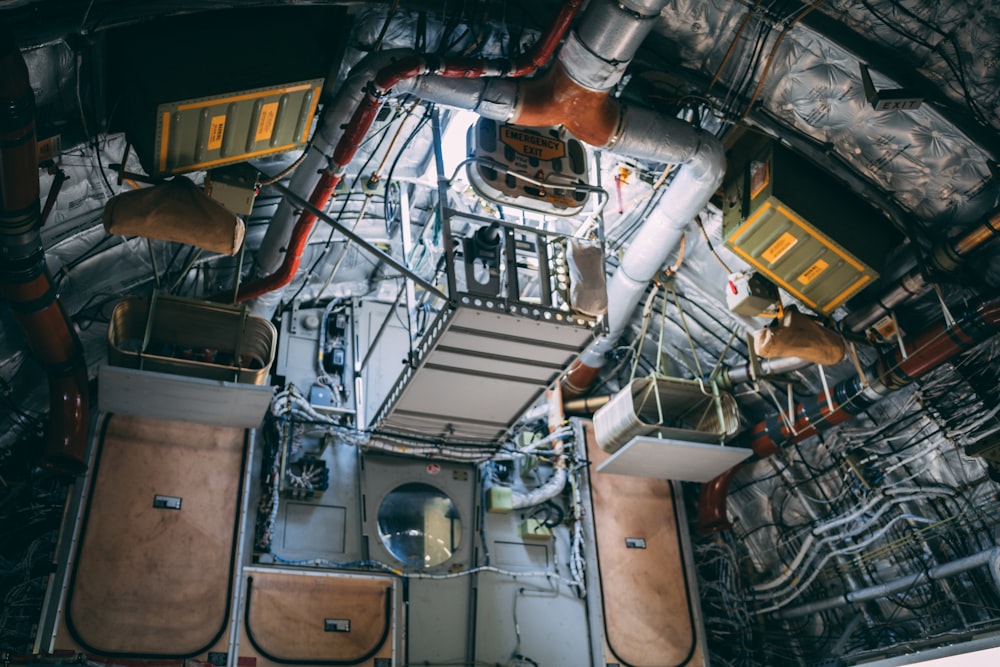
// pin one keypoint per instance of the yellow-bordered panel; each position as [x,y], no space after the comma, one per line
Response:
[800,227]
[798,257]
[224,129]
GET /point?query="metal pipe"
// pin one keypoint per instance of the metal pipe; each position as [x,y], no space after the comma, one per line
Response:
[730,377]
[556,99]
[814,568]
[966,243]
[712,497]
[801,581]
[271,254]
[24,277]
[927,351]
[311,209]
[299,236]
[943,571]
[552,488]
[946,258]
[665,139]
[574,93]
[559,437]
[489,97]
[586,406]
[615,30]
[410,67]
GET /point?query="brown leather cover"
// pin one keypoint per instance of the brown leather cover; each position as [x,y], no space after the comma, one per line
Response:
[648,619]
[798,335]
[178,211]
[285,613]
[151,580]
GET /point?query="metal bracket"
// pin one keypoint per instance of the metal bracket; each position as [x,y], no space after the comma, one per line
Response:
[899,334]
[949,320]
[388,259]
[826,387]
[852,351]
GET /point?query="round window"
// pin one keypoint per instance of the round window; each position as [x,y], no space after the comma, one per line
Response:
[419,525]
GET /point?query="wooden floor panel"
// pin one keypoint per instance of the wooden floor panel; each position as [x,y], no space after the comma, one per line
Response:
[647,617]
[300,618]
[152,581]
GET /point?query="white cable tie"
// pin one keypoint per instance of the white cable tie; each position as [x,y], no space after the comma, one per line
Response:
[791,407]
[949,320]
[826,388]
[853,352]
[899,334]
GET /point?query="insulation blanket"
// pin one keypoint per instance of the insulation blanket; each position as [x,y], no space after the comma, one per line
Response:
[798,335]
[178,211]
[588,291]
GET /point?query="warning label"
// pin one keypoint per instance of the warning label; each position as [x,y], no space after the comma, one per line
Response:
[49,148]
[779,247]
[531,144]
[886,328]
[809,274]
[216,128]
[265,125]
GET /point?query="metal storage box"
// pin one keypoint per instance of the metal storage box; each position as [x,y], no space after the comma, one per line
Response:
[199,104]
[169,334]
[687,413]
[801,228]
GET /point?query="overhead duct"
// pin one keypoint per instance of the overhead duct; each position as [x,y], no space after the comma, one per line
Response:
[575,93]
[946,257]
[731,376]
[728,378]
[24,278]
[925,352]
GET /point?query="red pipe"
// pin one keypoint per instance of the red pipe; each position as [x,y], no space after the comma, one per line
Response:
[319,198]
[24,279]
[712,503]
[578,379]
[591,116]
[449,67]
[546,46]
[364,116]
[926,352]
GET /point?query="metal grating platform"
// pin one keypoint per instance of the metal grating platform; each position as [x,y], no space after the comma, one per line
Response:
[476,371]
[519,308]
